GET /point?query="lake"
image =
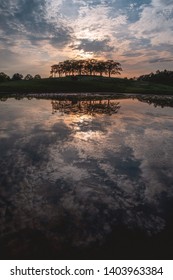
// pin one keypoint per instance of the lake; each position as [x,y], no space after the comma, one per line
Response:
[86,177]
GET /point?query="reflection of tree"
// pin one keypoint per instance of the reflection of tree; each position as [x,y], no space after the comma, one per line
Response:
[160,101]
[82,107]
[3,98]
[91,103]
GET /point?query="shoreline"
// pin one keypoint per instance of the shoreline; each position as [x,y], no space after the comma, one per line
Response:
[82,94]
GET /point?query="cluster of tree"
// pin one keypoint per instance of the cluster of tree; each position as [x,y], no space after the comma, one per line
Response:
[17,77]
[86,67]
[163,77]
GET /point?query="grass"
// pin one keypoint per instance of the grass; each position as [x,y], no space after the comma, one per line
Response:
[84,84]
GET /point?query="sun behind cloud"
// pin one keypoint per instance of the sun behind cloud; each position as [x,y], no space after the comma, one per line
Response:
[36,34]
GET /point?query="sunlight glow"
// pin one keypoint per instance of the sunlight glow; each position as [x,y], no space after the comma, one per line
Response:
[84,55]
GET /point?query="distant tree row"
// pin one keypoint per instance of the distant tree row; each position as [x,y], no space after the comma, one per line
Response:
[17,77]
[86,67]
[163,77]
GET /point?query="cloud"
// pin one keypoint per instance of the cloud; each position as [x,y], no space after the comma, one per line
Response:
[131,54]
[31,29]
[70,8]
[94,46]
[27,20]
[155,23]
[54,30]
[160,59]
[130,8]
[161,3]
[9,57]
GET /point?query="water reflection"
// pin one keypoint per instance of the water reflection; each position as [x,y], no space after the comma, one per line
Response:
[93,180]
[160,101]
[81,107]
[104,101]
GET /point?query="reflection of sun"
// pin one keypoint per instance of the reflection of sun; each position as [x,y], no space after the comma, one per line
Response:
[88,135]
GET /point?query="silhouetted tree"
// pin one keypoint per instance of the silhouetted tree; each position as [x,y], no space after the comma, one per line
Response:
[100,67]
[37,77]
[28,77]
[87,67]
[163,77]
[80,64]
[112,67]
[67,67]
[57,68]
[17,77]
[4,77]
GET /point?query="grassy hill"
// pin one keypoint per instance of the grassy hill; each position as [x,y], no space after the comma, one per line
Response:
[84,84]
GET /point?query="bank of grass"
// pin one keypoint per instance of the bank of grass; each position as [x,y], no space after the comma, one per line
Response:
[84,84]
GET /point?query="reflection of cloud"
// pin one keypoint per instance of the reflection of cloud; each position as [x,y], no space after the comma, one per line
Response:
[154,152]
[76,178]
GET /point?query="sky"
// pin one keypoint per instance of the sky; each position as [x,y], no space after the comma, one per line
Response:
[35,34]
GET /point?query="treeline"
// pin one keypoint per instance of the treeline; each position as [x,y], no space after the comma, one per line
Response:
[163,77]
[86,67]
[17,77]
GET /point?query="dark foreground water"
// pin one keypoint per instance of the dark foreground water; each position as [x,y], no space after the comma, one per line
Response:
[86,179]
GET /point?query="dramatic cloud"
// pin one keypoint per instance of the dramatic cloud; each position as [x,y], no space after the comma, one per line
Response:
[38,33]
[94,46]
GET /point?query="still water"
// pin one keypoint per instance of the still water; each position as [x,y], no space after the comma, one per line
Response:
[86,178]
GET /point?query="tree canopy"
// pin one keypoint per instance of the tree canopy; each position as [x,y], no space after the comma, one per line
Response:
[28,77]
[86,67]
[37,77]
[17,77]
[4,77]
[163,77]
